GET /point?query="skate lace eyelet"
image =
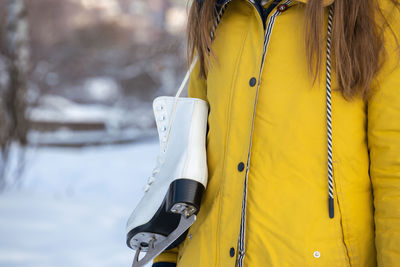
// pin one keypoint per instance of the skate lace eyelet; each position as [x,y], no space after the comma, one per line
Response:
[151,180]
[146,188]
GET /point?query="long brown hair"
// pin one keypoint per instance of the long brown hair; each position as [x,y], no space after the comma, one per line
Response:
[358,41]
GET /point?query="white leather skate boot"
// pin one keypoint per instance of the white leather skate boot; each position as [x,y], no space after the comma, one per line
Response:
[173,193]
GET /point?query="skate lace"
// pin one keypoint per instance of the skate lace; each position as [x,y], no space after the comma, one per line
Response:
[165,138]
[154,173]
[176,97]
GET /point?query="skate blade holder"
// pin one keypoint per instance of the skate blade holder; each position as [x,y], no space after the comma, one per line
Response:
[153,244]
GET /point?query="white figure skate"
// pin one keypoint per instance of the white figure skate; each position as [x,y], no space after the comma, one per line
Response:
[173,193]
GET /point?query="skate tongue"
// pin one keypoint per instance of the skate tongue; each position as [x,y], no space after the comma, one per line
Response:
[155,250]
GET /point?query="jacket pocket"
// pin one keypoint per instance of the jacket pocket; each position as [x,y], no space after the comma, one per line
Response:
[355,210]
[339,212]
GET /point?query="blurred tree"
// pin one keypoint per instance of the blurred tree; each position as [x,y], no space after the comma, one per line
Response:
[13,105]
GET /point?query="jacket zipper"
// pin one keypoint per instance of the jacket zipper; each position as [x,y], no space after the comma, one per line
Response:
[268,32]
[264,12]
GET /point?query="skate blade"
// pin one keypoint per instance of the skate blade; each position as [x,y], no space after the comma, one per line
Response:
[154,250]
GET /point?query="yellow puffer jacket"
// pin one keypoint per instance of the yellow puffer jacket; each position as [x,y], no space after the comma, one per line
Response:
[268,138]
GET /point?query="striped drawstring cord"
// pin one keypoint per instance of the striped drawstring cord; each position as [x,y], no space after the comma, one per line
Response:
[218,15]
[329,112]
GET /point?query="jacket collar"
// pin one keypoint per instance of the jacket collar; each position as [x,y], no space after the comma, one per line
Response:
[325,2]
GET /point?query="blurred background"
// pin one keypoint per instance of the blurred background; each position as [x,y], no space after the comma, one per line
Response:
[77,132]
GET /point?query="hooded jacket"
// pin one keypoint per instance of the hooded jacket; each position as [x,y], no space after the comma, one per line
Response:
[279,146]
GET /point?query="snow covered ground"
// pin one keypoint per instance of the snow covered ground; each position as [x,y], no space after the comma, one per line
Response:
[71,206]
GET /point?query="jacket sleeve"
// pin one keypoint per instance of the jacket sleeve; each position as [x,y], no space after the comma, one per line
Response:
[164,264]
[197,86]
[166,258]
[197,89]
[384,152]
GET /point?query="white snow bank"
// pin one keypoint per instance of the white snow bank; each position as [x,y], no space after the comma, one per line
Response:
[59,109]
[72,206]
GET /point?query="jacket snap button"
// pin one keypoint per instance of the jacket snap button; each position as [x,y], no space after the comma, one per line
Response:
[317,254]
[282,7]
[232,252]
[241,166]
[252,81]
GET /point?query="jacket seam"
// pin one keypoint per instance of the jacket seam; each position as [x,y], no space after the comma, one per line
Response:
[341,219]
[227,136]
[266,40]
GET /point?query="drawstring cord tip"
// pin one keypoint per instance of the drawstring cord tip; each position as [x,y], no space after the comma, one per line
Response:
[331,209]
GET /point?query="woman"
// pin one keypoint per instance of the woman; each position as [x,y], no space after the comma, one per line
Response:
[303,144]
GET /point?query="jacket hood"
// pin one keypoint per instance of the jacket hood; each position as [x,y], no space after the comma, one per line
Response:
[326,2]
